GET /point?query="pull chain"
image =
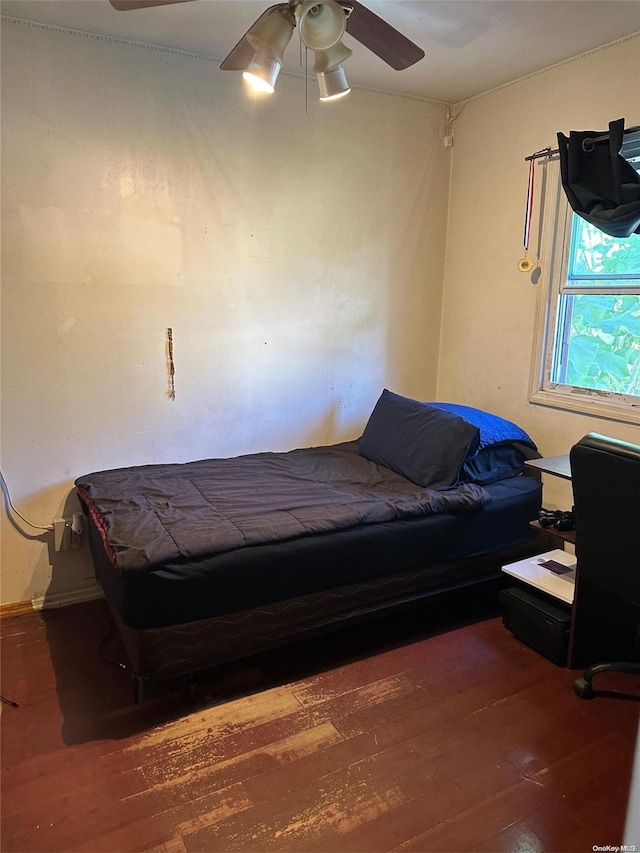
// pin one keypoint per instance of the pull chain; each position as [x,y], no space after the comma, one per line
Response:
[172,369]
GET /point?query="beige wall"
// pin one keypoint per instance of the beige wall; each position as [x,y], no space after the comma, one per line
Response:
[298,257]
[489,307]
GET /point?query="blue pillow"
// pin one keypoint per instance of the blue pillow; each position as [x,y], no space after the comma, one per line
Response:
[424,444]
[493,428]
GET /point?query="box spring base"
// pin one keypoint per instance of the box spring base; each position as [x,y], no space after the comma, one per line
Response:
[187,648]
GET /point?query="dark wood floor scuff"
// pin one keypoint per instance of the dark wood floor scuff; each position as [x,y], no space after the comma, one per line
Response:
[376,739]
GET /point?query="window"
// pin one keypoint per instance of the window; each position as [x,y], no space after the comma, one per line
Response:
[588,354]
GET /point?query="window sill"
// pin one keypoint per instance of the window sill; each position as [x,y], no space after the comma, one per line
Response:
[599,405]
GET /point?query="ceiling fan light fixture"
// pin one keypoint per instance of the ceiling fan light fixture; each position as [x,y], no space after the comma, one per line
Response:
[269,38]
[263,71]
[327,60]
[333,84]
[322,23]
[259,53]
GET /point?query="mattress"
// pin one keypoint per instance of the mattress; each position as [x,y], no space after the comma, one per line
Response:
[184,590]
[154,514]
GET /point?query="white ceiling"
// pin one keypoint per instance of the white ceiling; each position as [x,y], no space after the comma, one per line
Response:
[471,46]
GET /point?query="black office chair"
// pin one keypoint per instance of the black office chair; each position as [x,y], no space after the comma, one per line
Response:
[605,476]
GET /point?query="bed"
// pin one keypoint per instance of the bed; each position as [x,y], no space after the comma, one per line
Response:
[206,561]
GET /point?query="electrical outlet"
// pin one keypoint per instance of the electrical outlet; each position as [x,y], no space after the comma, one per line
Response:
[77,529]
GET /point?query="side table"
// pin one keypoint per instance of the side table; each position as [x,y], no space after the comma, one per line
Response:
[557,466]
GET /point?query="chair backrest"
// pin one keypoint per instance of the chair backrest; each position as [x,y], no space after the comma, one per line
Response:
[605,475]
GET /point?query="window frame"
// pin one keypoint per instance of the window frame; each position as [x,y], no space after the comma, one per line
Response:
[554,236]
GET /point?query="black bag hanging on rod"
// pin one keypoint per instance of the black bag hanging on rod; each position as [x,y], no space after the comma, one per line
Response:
[602,187]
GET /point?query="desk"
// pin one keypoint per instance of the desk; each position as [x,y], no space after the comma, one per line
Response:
[559,466]
[529,572]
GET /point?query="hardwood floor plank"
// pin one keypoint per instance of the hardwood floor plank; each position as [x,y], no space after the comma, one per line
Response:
[583,815]
[581,808]
[124,826]
[327,809]
[176,785]
[446,656]
[583,769]
[435,796]
[519,836]
[467,829]
[221,720]
[462,740]
[168,827]
[276,783]
[226,736]
[67,791]
[574,732]
[600,810]
[175,845]
[183,772]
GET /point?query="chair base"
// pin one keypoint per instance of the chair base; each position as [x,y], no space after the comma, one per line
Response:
[583,686]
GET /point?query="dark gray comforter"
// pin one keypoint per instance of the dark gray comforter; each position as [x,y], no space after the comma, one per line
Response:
[157,513]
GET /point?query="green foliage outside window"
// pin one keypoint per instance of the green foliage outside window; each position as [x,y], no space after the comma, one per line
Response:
[604,343]
[599,342]
[596,253]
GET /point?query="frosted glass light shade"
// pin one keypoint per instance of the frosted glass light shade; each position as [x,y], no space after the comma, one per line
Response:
[333,84]
[269,38]
[321,22]
[263,71]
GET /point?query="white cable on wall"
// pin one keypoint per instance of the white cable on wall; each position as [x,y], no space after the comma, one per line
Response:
[5,490]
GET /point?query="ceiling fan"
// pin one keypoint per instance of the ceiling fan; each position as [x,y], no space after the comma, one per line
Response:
[321,24]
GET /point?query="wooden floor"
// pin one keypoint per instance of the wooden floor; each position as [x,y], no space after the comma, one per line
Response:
[464,740]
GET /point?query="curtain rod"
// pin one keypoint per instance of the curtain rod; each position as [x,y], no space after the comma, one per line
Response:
[587,144]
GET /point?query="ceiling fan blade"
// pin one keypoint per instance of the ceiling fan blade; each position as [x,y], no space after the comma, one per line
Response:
[381,38]
[127,5]
[242,53]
